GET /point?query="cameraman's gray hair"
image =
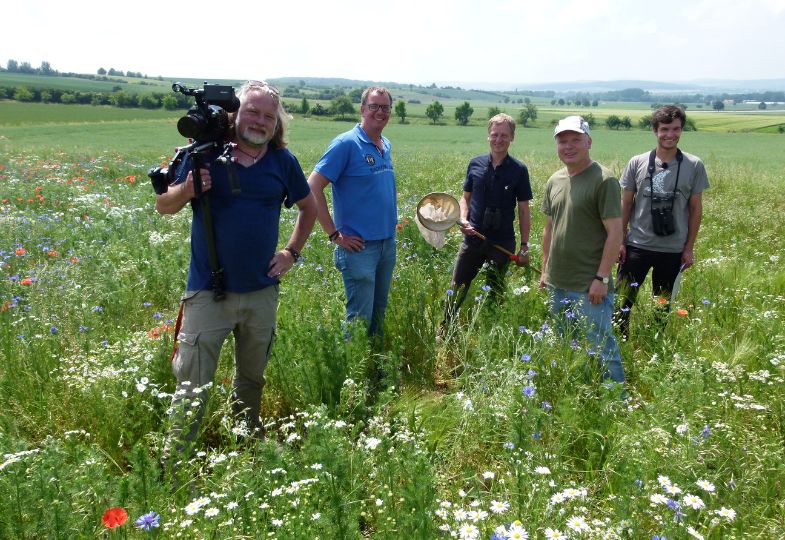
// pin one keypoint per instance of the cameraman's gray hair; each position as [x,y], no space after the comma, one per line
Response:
[375,90]
[282,117]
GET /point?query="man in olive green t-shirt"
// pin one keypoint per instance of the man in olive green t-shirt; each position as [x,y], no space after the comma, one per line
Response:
[580,241]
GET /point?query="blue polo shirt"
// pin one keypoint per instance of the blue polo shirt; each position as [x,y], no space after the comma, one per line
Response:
[502,188]
[363,185]
[246,224]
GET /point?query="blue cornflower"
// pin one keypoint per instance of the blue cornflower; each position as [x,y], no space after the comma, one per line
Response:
[486,288]
[522,329]
[148,521]
[706,431]
[97,309]
[570,314]
[53,330]
[531,374]
[537,435]
[638,483]
[450,292]
[635,284]
[659,537]
[147,304]
[545,405]
[528,390]
[526,357]
[625,309]
[157,315]
[83,329]
[509,445]
[706,301]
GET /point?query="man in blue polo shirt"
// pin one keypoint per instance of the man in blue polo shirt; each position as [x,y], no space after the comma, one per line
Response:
[495,190]
[245,228]
[358,166]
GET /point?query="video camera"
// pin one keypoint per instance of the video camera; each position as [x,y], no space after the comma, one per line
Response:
[205,123]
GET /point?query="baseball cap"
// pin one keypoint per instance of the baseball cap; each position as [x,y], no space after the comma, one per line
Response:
[572,123]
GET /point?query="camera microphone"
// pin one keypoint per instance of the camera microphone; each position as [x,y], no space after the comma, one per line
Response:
[664,165]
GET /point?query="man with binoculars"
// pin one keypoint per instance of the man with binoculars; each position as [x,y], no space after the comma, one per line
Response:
[495,191]
[661,214]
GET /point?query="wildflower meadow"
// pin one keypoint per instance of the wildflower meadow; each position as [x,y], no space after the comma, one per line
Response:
[502,430]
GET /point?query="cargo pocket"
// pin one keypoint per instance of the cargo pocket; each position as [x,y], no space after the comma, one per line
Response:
[185,365]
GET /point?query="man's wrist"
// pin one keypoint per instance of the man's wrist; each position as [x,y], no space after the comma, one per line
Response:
[602,279]
[293,252]
[334,235]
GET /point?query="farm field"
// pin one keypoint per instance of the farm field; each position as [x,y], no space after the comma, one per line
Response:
[501,428]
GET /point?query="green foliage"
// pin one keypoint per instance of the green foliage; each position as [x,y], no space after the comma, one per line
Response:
[463,112]
[493,111]
[502,410]
[23,94]
[528,113]
[400,111]
[434,111]
[341,106]
[718,105]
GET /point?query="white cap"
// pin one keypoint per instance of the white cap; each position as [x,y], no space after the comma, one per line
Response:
[572,123]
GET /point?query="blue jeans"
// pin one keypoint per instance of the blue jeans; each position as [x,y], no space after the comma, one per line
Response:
[367,275]
[568,307]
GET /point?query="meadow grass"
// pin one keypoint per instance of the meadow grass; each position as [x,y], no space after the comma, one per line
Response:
[502,421]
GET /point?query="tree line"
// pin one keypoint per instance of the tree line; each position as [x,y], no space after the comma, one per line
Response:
[12,66]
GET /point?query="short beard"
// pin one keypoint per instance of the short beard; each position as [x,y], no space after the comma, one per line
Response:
[254,138]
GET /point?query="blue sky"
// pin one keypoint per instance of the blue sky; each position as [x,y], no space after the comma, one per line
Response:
[464,41]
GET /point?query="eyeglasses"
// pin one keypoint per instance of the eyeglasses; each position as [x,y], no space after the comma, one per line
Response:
[263,84]
[375,107]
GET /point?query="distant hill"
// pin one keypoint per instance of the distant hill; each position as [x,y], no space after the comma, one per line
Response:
[702,86]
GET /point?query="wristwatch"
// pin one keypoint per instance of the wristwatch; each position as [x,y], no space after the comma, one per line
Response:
[605,280]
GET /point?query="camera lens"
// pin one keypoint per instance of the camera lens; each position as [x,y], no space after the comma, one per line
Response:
[191,126]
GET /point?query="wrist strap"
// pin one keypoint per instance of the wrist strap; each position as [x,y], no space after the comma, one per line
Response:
[334,236]
[294,252]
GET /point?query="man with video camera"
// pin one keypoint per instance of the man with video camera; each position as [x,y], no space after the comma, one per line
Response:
[238,232]
[661,214]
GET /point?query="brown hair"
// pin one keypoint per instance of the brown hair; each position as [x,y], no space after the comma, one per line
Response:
[666,115]
[375,90]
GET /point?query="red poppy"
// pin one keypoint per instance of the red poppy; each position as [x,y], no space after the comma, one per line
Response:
[662,300]
[20,251]
[52,253]
[114,517]
[682,312]
[27,281]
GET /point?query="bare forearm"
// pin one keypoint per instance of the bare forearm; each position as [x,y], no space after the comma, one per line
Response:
[524,222]
[610,250]
[693,225]
[174,199]
[317,182]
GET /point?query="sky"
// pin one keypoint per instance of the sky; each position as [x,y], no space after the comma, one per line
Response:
[485,42]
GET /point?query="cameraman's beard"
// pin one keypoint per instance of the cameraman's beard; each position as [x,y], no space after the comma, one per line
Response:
[255,138]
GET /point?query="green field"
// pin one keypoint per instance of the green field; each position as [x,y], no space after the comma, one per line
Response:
[451,445]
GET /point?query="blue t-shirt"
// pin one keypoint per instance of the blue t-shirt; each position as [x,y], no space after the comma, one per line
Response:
[500,188]
[246,224]
[363,185]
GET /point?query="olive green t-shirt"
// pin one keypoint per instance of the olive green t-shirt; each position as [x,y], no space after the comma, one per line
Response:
[577,205]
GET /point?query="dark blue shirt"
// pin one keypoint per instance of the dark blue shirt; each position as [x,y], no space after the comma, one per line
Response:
[500,188]
[245,224]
